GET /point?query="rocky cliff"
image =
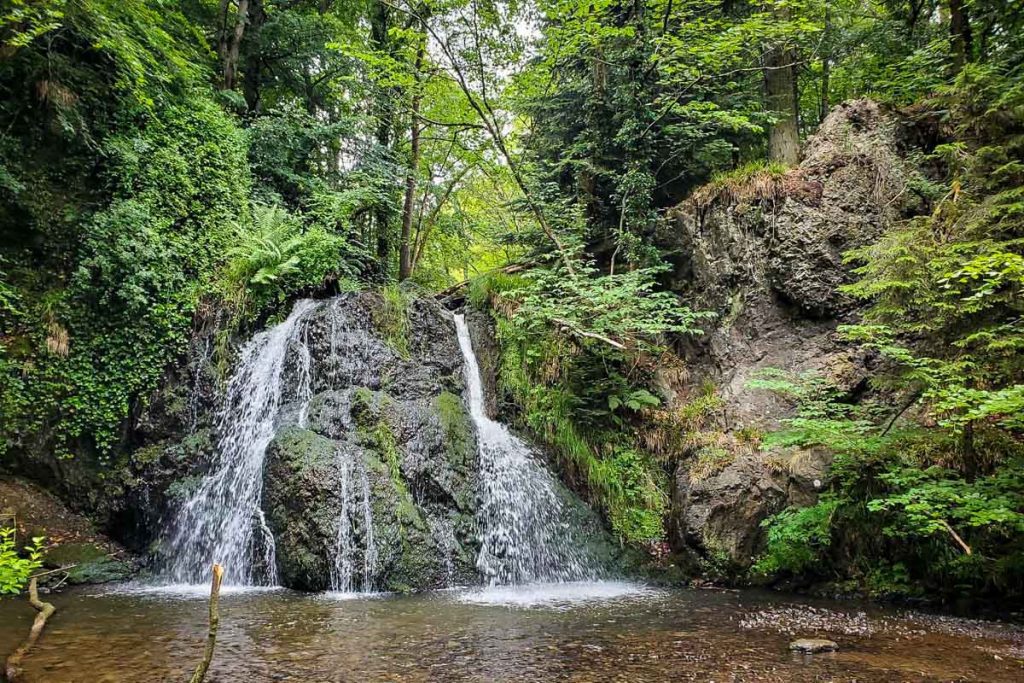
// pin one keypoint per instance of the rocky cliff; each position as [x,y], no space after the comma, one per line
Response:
[764,250]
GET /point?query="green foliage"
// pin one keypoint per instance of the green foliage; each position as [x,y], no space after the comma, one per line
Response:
[391,319]
[15,567]
[798,539]
[276,256]
[110,313]
[944,530]
[125,194]
[573,353]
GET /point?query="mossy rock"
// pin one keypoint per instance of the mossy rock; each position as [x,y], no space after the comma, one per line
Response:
[89,562]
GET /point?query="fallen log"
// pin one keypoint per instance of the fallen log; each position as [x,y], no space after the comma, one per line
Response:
[45,611]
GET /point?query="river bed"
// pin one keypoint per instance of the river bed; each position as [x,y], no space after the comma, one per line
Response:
[568,632]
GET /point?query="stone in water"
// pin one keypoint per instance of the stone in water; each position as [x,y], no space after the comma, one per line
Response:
[813,645]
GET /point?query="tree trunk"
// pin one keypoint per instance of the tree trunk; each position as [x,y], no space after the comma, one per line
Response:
[234,44]
[780,97]
[252,80]
[960,39]
[826,64]
[404,254]
[379,25]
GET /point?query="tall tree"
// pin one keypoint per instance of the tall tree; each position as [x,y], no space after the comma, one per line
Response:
[960,39]
[231,40]
[781,99]
[405,262]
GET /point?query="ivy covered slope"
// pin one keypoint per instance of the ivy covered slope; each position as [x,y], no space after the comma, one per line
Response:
[135,199]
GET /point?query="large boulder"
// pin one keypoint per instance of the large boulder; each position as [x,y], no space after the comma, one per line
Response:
[721,514]
[370,483]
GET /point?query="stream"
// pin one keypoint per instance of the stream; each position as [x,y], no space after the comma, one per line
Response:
[556,632]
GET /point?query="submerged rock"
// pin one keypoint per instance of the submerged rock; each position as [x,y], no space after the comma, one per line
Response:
[813,645]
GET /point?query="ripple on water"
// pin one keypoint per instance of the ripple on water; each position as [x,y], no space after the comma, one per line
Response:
[557,595]
[180,590]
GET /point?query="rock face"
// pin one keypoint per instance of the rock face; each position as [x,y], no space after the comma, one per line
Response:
[720,516]
[765,253]
[370,482]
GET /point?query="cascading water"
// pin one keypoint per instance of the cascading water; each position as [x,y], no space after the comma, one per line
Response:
[299,451]
[356,503]
[223,520]
[524,535]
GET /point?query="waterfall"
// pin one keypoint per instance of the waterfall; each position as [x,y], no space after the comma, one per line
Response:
[356,502]
[223,519]
[524,535]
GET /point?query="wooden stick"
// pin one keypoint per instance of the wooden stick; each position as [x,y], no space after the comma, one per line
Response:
[211,637]
[956,537]
[590,335]
[53,571]
[44,609]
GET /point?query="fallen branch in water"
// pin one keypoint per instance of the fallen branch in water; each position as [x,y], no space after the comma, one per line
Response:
[53,571]
[45,610]
[211,637]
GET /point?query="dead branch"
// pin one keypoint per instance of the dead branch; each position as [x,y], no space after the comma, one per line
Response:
[578,331]
[211,637]
[45,610]
[956,537]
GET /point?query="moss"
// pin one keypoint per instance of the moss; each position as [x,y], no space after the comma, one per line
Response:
[182,489]
[755,181]
[710,461]
[458,430]
[389,456]
[391,318]
[89,562]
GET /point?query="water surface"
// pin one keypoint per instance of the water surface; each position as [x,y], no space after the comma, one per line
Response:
[567,632]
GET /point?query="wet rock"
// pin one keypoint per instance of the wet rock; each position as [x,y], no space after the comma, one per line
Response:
[382,474]
[722,514]
[300,487]
[88,563]
[813,645]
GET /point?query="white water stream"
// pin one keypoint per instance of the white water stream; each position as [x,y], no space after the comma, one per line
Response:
[525,537]
[222,521]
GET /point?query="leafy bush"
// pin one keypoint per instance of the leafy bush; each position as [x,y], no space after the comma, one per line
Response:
[798,539]
[275,257]
[948,532]
[15,569]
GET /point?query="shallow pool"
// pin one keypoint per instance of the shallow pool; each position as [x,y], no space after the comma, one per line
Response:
[569,632]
